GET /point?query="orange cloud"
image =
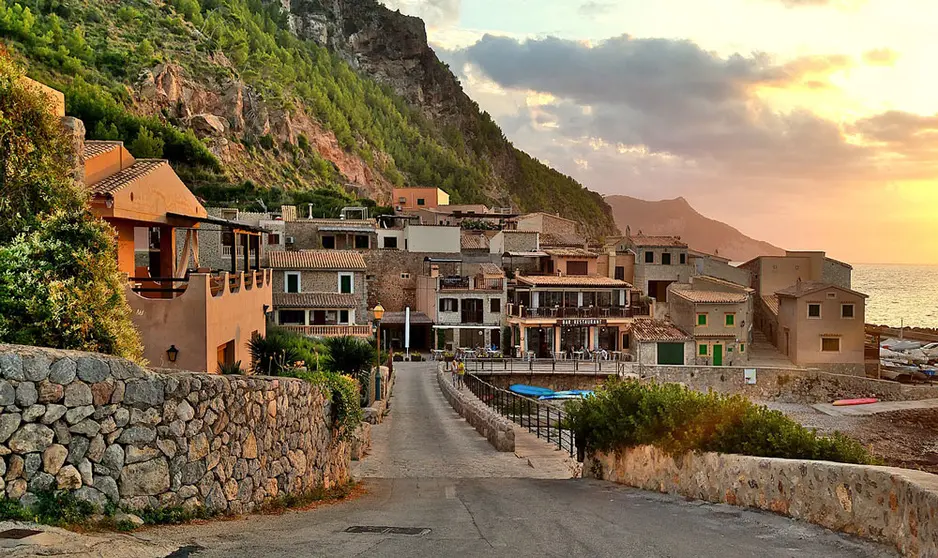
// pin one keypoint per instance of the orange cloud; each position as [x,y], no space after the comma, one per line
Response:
[880,57]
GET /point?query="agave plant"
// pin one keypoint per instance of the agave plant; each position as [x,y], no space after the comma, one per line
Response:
[350,356]
[271,355]
[230,368]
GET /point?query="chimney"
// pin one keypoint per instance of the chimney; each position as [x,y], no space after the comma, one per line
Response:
[798,287]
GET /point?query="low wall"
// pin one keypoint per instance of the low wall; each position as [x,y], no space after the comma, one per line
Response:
[498,430]
[110,430]
[791,385]
[880,503]
[554,381]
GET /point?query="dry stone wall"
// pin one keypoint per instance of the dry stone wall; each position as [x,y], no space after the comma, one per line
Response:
[499,431]
[880,503]
[110,430]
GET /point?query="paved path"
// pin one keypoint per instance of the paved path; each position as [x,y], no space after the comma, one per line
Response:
[874,408]
[430,469]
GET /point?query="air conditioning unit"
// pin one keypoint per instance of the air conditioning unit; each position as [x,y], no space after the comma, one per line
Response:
[290,240]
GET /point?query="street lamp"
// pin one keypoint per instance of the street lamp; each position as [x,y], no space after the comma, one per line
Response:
[379,313]
[172,352]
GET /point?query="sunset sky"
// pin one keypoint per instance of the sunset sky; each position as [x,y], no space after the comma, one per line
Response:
[812,124]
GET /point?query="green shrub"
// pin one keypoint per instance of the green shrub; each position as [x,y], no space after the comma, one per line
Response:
[628,413]
[233,368]
[146,145]
[59,508]
[273,354]
[350,356]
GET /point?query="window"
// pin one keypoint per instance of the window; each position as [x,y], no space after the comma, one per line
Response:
[273,238]
[401,200]
[449,305]
[361,242]
[814,311]
[666,259]
[847,311]
[390,242]
[292,317]
[683,259]
[229,214]
[577,268]
[343,317]
[226,353]
[830,344]
[832,295]
[702,320]
[291,282]
[405,275]
[496,305]
[649,257]
[421,201]
[620,273]
[346,283]
[730,320]
[742,347]
[328,242]
[703,349]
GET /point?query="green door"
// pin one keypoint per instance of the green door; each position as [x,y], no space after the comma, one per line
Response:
[671,353]
[718,355]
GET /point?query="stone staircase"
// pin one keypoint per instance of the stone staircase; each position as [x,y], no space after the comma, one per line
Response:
[763,353]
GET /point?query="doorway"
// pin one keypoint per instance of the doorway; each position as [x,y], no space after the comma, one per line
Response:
[718,355]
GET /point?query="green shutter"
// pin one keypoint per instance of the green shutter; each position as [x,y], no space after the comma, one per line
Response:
[730,319]
[346,284]
[671,353]
[701,319]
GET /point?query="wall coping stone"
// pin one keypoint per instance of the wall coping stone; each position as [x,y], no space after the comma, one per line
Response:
[499,431]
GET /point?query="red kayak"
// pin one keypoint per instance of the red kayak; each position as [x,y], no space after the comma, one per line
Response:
[846,402]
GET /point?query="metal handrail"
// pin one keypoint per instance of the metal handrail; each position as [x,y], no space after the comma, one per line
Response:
[541,419]
[572,366]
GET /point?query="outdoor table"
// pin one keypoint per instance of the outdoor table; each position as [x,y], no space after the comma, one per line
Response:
[560,355]
[578,355]
[436,354]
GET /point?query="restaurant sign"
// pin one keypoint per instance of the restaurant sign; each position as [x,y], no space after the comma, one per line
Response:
[582,322]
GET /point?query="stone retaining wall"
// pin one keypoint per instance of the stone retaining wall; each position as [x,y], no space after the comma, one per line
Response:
[885,504]
[498,430]
[110,430]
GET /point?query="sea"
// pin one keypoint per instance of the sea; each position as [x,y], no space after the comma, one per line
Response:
[899,294]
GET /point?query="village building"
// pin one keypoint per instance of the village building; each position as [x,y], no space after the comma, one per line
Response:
[718,314]
[320,293]
[188,316]
[466,308]
[714,265]
[659,262]
[547,223]
[659,343]
[821,325]
[412,198]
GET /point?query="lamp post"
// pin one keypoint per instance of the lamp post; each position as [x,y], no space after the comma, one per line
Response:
[379,313]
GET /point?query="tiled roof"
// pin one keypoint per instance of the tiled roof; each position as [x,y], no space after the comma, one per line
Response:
[718,281]
[572,281]
[571,253]
[317,259]
[126,177]
[555,239]
[93,148]
[656,330]
[809,287]
[658,241]
[771,302]
[315,300]
[711,297]
[471,241]
[488,268]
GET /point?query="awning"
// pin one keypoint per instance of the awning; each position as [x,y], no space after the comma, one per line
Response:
[466,327]
[221,222]
[348,229]
[397,318]
[527,254]
[442,260]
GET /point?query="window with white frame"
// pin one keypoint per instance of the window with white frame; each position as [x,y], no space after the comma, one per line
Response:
[291,282]
[814,310]
[347,283]
[292,317]
[344,317]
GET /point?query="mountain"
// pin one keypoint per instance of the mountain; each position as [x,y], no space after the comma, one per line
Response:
[258,99]
[676,217]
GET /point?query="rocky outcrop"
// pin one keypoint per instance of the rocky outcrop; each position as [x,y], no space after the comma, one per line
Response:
[110,430]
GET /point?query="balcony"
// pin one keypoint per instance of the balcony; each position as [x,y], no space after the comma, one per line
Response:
[458,283]
[330,330]
[518,311]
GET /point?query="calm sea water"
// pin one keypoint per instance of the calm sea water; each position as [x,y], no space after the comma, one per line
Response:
[899,293]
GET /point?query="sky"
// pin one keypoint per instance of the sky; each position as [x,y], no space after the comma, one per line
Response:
[811,124]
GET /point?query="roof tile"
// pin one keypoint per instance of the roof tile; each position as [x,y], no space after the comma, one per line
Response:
[120,180]
[711,297]
[317,259]
[658,241]
[471,241]
[656,330]
[771,302]
[93,148]
[315,300]
[571,253]
[572,281]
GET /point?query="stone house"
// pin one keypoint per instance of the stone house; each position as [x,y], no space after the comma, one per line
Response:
[659,262]
[321,293]
[822,325]
[331,234]
[714,265]
[548,224]
[467,308]
[217,244]
[657,342]
[718,314]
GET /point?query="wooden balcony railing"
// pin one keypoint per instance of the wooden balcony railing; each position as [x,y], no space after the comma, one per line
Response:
[330,330]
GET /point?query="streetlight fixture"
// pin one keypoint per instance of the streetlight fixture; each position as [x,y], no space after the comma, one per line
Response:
[378,312]
[171,353]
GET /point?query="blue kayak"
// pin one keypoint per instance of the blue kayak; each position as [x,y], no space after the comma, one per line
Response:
[571,394]
[530,391]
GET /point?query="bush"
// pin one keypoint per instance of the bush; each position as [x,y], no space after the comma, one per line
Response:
[350,356]
[627,413]
[233,368]
[272,355]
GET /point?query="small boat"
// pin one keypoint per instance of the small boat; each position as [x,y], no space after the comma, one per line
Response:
[530,391]
[849,402]
[571,394]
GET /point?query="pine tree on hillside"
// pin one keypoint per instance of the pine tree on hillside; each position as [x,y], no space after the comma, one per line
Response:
[59,282]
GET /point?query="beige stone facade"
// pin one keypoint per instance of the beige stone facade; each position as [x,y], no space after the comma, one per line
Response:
[718,314]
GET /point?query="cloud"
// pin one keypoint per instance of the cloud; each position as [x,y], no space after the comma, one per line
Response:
[841,4]
[592,8]
[880,57]
[904,134]
[435,13]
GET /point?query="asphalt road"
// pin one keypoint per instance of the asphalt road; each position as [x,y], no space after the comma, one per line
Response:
[430,470]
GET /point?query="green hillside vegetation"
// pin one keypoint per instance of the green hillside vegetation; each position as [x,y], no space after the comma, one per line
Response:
[92,51]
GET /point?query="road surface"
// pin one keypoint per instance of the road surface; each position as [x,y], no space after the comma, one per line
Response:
[430,470]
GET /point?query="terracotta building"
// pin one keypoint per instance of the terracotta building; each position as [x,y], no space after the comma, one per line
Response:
[405,199]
